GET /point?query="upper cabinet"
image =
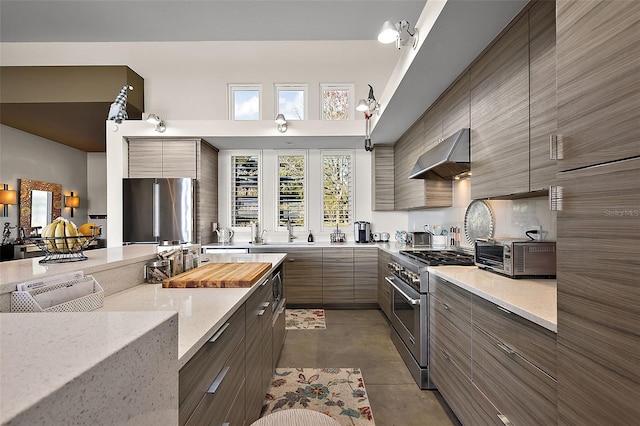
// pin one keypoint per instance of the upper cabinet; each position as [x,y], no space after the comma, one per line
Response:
[598,74]
[500,116]
[164,158]
[542,96]
[382,185]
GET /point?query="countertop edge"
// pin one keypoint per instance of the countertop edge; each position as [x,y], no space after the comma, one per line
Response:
[524,313]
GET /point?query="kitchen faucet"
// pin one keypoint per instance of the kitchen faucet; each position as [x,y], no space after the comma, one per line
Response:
[290,228]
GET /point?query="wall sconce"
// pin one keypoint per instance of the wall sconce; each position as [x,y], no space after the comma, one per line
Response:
[369,106]
[398,33]
[282,123]
[156,121]
[7,197]
[72,201]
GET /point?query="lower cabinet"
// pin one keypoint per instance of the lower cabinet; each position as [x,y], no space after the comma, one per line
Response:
[490,365]
[384,288]
[227,379]
[259,348]
[211,380]
[338,276]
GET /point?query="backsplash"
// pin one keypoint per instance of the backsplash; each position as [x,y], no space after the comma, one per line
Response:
[511,217]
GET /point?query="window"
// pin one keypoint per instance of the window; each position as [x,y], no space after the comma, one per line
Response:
[291,101]
[337,101]
[245,205]
[244,101]
[337,193]
[291,190]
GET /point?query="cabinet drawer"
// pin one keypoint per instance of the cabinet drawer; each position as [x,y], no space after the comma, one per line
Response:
[465,399]
[533,342]
[215,407]
[453,334]
[196,376]
[519,389]
[456,299]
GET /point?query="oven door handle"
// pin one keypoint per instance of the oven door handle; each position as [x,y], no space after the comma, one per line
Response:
[399,290]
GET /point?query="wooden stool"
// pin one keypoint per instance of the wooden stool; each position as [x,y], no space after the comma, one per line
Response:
[296,417]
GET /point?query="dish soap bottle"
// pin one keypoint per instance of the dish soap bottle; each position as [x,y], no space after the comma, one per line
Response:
[310,237]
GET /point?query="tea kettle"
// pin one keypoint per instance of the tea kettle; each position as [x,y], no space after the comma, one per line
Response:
[224,235]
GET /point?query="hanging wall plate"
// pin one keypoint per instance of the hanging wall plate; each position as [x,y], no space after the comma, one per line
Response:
[478,221]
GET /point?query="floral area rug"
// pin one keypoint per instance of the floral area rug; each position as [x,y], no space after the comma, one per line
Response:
[305,319]
[337,392]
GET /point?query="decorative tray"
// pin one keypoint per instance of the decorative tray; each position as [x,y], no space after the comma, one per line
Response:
[62,249]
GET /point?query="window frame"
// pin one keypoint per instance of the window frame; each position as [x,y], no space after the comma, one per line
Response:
[293,153]
[304,87]
[234,87]
[338,86]
[352,186]
[232,156]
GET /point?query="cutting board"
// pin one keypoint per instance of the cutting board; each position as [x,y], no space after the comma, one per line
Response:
[220,275]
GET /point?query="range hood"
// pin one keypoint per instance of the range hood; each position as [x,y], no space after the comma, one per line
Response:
[449,158]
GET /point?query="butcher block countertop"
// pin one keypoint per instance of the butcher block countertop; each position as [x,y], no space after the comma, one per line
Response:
[220,275]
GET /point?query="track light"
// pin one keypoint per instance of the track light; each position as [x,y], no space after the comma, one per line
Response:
[156,121]
[399,33]
[282,123]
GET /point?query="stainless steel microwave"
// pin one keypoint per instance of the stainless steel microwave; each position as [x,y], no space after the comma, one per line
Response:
[516,258]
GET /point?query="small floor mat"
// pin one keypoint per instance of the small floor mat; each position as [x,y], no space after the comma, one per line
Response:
[336,392]
[305,319]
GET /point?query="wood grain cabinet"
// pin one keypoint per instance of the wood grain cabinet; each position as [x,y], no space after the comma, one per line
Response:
[259,348]
[365,275]
[599,295]
[165,158]
[500,115]
[450,353]
[213,380]
[598,74]
[303,276]
[337,275]
[514,364]
[384,288]
[490,365]
[382,185]
[542,96]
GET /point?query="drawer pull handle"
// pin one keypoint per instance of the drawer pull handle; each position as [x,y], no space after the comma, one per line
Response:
[281,311]
[505,420]
[226,424]
[264,282]
[445,355]
[266,304]
[446,307]
[506,311]
[261,312]
[218,380]
[506,348]
[219,332]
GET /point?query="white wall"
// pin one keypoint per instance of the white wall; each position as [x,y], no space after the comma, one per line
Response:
[26,156]
[511,217]
[188,80]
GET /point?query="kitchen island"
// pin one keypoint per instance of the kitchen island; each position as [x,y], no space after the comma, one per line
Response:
[118,364]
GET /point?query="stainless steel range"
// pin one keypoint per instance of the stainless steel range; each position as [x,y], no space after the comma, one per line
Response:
[409,281]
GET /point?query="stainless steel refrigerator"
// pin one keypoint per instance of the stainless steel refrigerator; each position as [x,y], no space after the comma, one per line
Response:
[158,209]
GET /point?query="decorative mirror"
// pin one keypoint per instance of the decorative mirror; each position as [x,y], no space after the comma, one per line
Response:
[40,202]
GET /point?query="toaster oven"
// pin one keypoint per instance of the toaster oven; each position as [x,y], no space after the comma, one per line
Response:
[516,258]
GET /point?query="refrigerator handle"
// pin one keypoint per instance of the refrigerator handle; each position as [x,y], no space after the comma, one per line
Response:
[156,209]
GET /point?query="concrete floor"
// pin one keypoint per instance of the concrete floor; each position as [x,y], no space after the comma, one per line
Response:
[360,338]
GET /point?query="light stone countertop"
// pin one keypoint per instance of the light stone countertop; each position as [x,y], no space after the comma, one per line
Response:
[201,311]
[44,353]
[17,271]
[533,299]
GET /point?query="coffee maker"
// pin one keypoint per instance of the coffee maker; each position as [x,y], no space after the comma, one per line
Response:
[362,232]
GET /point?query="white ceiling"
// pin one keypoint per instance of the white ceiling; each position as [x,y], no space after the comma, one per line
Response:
[459,34]
[200,20]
